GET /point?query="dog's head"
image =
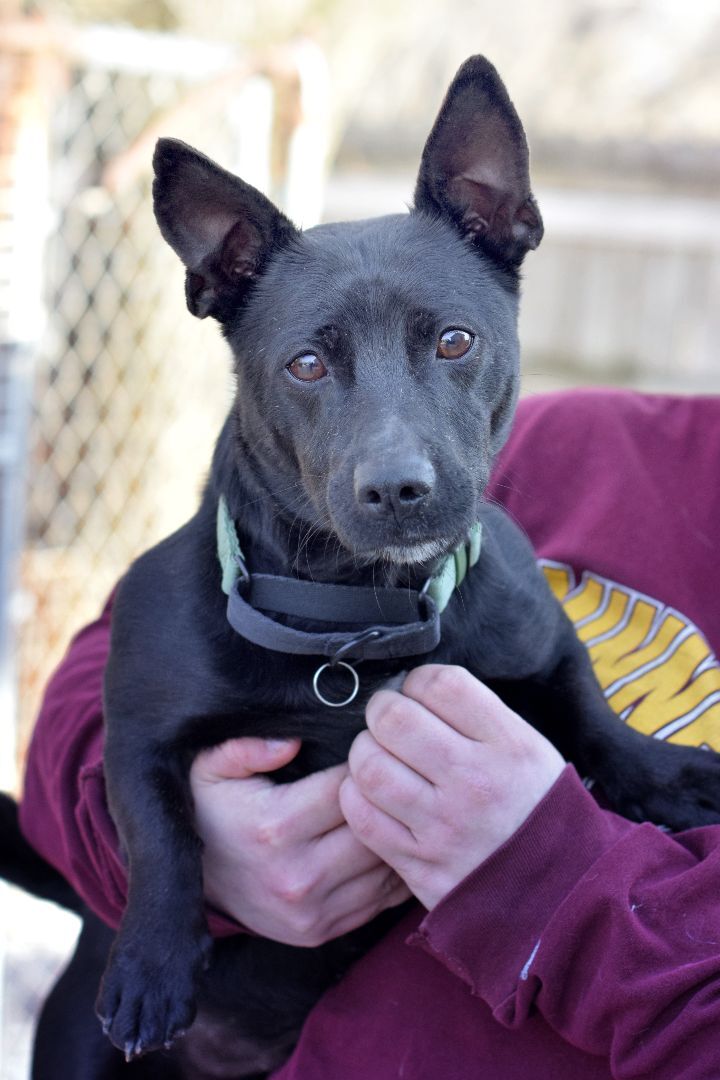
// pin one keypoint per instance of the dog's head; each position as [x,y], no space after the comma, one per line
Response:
[377,361]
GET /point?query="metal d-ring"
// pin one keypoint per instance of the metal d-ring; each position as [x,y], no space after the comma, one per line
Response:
[353,693]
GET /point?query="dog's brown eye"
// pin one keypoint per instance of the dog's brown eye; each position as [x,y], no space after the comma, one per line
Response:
[307,368]
[453,344]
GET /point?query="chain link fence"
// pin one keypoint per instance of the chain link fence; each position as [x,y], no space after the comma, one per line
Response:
[129,390]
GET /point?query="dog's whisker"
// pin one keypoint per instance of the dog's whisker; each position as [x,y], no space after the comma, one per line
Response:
[307,537]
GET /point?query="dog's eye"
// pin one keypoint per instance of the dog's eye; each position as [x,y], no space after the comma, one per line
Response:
[307,368]
[454,343]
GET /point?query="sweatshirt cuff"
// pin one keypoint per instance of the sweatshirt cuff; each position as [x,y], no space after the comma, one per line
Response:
[488,929]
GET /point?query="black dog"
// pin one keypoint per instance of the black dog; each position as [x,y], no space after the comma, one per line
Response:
[377,372]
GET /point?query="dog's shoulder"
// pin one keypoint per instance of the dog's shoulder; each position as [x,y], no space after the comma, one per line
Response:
[171,579]
[505,614]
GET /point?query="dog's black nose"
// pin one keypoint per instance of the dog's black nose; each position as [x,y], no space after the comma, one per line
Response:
[398,487]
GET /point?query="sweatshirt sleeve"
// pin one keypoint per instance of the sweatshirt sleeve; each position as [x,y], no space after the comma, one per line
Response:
[64,812]
[610,930]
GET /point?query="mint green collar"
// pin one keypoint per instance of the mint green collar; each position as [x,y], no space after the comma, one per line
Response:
[441,586]
[453,570]
[228,547]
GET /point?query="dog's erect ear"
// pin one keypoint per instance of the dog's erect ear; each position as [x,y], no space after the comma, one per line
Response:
[474,167]
[223,229]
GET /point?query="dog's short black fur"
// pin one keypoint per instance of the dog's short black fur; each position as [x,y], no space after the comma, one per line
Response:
[363,462]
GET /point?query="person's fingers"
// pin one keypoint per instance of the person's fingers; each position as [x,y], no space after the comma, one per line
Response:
[379,831]
[389,783]
[414,735]
[461,700]
[238,759]
[306,808]
[344,856]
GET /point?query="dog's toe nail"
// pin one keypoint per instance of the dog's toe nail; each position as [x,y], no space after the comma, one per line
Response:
[133,1049]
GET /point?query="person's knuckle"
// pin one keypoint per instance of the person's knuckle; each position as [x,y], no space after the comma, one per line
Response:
[370,772]
[379,701]
[304,923]
[362,827]
[303,928]
[478,784]
[294,887]
[438,683]
[391,716]
[363,824]
[520,750]
[447,681]
[271,832]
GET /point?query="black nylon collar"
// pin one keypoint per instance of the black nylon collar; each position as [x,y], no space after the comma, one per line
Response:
[386,623]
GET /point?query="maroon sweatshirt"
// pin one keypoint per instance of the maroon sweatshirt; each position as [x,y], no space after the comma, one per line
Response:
[586,946]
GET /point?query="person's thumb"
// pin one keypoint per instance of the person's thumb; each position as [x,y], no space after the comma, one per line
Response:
[238,759]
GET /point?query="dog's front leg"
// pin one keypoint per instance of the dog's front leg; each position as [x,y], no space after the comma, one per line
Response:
[643,778]
[147,994]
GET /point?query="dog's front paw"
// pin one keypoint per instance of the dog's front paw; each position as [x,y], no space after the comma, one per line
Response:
[676,786]
[147,996]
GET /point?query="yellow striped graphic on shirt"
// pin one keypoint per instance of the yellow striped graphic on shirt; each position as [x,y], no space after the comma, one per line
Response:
[656,668]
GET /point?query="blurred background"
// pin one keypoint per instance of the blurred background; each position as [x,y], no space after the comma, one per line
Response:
[111,394]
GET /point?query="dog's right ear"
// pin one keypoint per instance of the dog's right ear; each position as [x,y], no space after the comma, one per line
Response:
[223,229]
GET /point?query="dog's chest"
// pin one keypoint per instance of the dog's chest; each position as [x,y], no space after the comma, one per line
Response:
[272,696]
[326,733]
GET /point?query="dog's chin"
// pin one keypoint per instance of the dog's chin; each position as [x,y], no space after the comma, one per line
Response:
[417,549]
[412,554]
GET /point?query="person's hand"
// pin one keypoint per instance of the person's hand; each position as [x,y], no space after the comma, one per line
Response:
[443,776]
[280,858]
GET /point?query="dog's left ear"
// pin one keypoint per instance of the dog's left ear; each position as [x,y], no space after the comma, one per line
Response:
[224,230]
[475,167]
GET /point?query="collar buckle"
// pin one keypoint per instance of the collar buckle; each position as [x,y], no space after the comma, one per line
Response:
[339,655]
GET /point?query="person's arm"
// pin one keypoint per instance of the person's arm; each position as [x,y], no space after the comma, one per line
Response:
[609,929]
[278,861]
[63,812]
